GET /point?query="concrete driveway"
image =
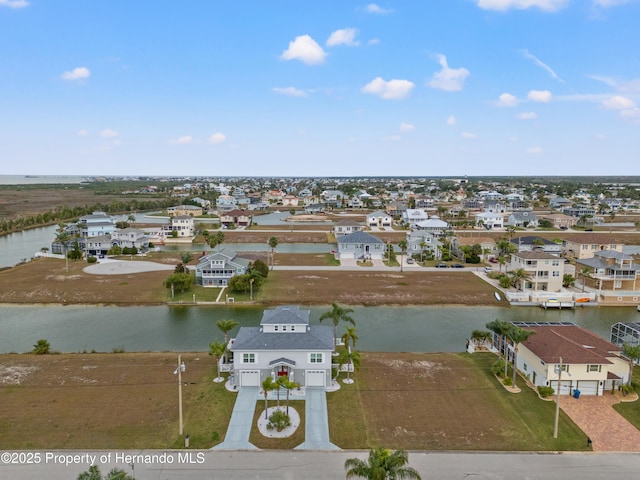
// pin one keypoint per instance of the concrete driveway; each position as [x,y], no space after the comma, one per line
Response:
[608,430]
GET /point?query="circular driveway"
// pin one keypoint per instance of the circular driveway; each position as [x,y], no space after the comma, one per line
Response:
[122,267]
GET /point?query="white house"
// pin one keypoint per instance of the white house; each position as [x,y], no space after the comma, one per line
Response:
[413,216]
[283,345]
[590,364]
[433,225]
[347,226]
[379,219]
[489,220]
[182,224]
[96,224]
[545,270]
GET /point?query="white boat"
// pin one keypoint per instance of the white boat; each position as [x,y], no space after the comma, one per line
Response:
[499,298]
[638,308]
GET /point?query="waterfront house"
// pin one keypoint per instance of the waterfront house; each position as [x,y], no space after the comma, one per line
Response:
[590,364]
[379,219]
[182,224]
[545,271]
[346,227]
[183,210]
[235,218]
[560,220]
[216,269]
[614,274]
[489,220]
[96,224]
[524,219]
[421,243]
[433,225]
[413,216]
[532,243]
[284,344]
[361,246]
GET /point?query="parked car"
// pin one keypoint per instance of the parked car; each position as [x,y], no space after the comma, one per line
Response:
[442,265]
[410,260]
[488,269]
[493,260]
[457,265]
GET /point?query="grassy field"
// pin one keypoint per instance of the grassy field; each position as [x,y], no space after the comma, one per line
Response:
[400,400]
[46,280]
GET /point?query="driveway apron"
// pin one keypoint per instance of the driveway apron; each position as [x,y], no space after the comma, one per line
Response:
[608,430]
[316,421]
[237,437]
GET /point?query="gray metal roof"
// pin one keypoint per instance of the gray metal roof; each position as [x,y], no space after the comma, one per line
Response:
[359,237]
[283,361]
[317,337]
[285,315]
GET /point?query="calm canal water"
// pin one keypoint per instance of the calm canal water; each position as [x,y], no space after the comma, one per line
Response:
[161,328]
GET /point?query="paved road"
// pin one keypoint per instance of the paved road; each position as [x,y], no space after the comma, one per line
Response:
[330,465]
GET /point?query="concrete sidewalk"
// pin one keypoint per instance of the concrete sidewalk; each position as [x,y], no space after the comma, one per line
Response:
[237,437]
[316,433]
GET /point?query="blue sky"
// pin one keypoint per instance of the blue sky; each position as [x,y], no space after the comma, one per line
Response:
[332,87]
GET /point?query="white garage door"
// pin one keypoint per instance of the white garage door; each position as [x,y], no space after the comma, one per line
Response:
[566,389]
[249,378]
[588,387]
[315,378]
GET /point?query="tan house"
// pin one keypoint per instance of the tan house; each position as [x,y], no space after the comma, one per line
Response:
[290,201]
[489,248]
[560,220]
[236,218]
[545,271]
[585,245]
[180,210]
[590,364]
[615,276]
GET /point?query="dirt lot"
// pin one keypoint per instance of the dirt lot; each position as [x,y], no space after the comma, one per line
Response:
[46,280]
[256,236]
[376,288]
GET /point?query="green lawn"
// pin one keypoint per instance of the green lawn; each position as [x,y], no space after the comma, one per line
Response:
[631,410]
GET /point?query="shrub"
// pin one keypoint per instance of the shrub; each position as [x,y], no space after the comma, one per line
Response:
[504,281]
[507,382]
[91,259]
[498,367]
[278,421]
[545,391]
[42,347]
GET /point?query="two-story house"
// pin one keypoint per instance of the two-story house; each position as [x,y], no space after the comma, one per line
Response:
[424,244]
[544,271]
[433,225]
[585,245]
[346,227]
[615,276]
[532,243]
[489,220]
[183,210]
[379,219]
[284,344]
[216,269]
[524,219]
[235,218]
[98,223]
[183,225]
[413,216]
[360,245]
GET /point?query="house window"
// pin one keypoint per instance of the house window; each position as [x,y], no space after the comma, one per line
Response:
[565,368]
[248,358]
[555,263]
[556,273]
[293,328]
[275,328]
[284,328]
[315,357]
[525,367]
[594,368]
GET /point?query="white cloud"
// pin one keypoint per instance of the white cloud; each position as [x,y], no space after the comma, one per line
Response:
[629,86]
[507,100]
[527,116]
[451,120]
[108,133]
[503,5]
[448,79]
[345,36]
[82,133]
[618,102]
[14,3]
[534,151]
[610,3]
[373,8]
[290,91]
[76,74]
[469,135]
[374,41]
[391,90]
[185,140]
[218,137]
[541,96]
[541,64]
[305,49]
[406,127]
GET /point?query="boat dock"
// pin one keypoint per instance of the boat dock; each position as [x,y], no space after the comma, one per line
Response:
[557,304]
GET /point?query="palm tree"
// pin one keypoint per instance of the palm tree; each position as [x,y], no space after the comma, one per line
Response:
[511,229]
[131,219]
[94,474]
[517,335]
[500,327]
[632,352]
[63,237]
[226,326]
[518,277]
[217,349]
[350,357]
[403,250]
[350,336]
[585,273]
[268,385]
[273,243]
[480,336]
[423,244]
[288,385]
[338,313]
[382,464]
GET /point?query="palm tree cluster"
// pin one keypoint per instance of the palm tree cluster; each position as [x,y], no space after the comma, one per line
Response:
[509,332]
